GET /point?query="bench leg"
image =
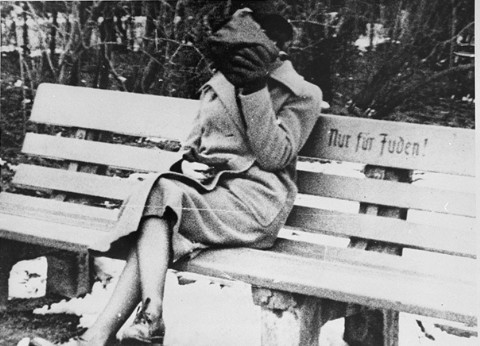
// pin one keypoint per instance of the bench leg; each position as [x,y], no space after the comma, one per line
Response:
[372,328]
[5,267]
[68,273]
[377,327]
[290,319]
[8,257]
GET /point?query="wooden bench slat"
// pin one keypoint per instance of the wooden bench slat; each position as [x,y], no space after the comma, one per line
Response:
[425,147]
[118,156]
[446,267]
[57,211]
[444,240]
[114,111]
[43,232]
[374,287]
[44,178]
[389,193]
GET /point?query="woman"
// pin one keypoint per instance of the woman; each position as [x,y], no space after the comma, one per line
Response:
[236,182]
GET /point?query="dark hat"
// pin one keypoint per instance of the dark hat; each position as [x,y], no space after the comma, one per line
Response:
[265,14]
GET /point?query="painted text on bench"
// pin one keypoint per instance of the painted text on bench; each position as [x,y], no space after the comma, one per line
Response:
[383,143]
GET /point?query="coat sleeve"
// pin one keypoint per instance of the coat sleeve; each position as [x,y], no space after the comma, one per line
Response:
[276,139]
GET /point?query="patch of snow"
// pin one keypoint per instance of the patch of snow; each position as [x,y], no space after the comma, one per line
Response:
[411,334]
[28,279]
[88,307]
[364,41]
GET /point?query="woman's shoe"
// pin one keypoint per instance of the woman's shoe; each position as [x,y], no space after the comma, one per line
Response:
[144,330]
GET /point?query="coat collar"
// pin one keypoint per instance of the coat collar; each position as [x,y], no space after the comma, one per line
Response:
[226,94]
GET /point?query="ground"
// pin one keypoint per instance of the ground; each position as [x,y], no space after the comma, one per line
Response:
[20,322]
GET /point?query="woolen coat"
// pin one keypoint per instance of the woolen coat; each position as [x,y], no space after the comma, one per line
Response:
[246,203]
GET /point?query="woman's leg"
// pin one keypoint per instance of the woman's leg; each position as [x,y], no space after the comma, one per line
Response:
[153,253]
[143,277]
[124,299]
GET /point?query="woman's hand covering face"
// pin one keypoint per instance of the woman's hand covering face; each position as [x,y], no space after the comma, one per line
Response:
[242,51]
[248,67]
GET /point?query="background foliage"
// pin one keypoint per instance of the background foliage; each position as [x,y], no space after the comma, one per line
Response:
[408,60]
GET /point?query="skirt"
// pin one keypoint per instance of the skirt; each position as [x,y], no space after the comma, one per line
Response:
[202,219]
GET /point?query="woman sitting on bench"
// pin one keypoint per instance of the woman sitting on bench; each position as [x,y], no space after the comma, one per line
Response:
[236,182]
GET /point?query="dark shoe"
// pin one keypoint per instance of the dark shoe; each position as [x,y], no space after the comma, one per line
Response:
[144,331]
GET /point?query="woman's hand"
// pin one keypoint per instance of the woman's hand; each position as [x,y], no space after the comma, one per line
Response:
[248,68]
[196,170]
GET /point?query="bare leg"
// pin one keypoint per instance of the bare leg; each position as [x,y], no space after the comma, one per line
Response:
[123,301]
[143,277]
[153,253]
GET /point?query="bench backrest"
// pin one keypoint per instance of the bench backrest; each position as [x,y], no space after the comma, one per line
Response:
[410,151]
[90,117]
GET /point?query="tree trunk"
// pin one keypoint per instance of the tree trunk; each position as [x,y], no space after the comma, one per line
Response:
[453,33]
[25,46]
[81,35]
[53,36]
[131,27]
[107,37]
[153,59]
[14,33]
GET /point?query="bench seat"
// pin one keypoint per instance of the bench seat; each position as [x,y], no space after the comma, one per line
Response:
[343,274]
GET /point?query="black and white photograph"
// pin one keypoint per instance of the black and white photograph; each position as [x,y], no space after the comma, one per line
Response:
[238,173]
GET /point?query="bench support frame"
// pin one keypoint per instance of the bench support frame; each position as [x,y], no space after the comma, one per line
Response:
[68,273]
[290,319]
[377,327]
[372,328]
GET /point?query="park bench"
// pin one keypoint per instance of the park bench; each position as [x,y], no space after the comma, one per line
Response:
[88,141]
